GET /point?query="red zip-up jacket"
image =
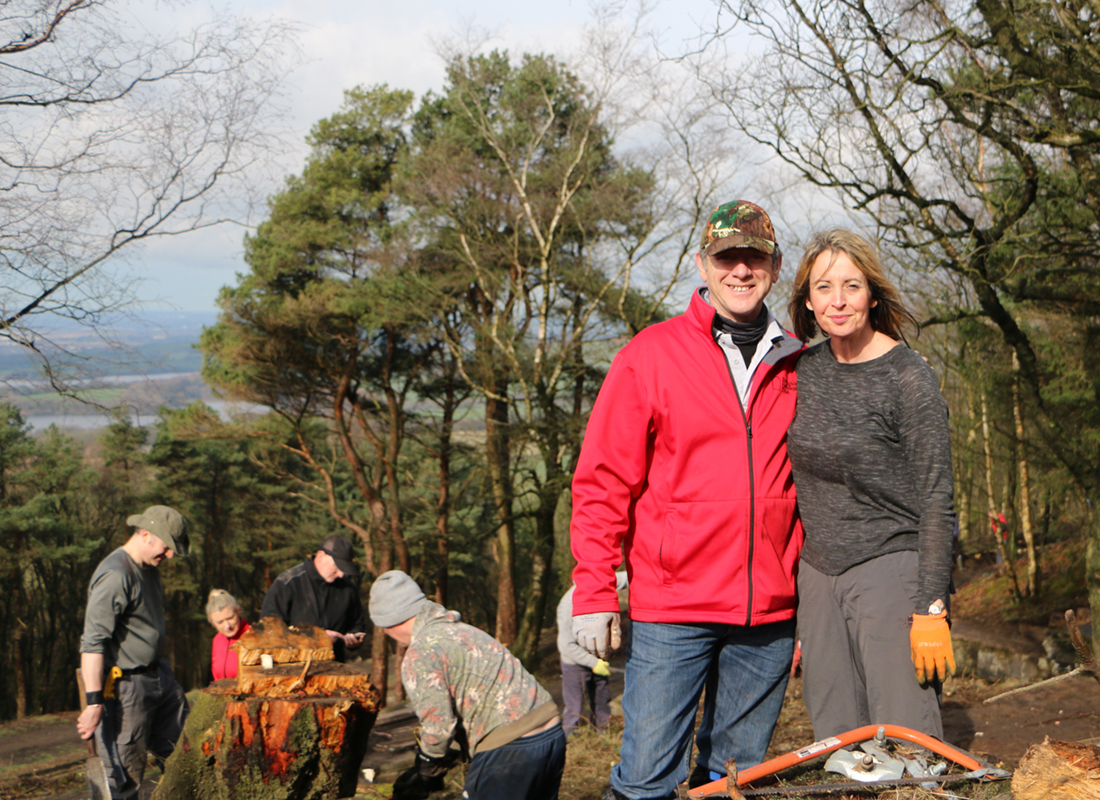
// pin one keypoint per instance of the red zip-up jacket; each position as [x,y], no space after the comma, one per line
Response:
[697,492]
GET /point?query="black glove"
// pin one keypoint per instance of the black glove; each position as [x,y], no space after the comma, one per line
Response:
[431,767]
[411,785]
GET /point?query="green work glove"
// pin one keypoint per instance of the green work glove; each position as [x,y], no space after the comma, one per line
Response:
[602,668]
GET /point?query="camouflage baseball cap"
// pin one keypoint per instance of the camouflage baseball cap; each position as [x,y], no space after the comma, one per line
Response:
[738,224]
[166,524]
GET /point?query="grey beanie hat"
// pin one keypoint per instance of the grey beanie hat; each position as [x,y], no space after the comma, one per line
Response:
[394,598]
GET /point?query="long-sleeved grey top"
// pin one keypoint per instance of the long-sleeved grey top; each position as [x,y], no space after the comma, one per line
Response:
[871,457]
[125,616]
[571,652]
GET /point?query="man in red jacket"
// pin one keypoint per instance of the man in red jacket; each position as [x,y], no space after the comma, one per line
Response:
[684,469]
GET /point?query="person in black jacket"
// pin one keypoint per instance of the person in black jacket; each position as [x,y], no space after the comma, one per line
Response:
[319,592]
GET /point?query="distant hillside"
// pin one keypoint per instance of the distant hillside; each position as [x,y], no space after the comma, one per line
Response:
[141,361]
[149,343]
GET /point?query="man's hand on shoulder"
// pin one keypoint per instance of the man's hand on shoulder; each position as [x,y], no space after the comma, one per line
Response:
[598,633]
[88,721]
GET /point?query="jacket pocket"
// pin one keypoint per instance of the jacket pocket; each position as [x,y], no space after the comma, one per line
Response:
[704,556]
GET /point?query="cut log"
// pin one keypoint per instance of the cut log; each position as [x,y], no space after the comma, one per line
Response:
[296,731]
[326,679]
[1057,770]
[286,645]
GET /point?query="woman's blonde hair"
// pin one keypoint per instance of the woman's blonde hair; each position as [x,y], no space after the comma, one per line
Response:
[219,600]
[888,315]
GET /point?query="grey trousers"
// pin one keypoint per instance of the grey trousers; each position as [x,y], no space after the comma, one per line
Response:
[578,682]
[146,715]
[856,664]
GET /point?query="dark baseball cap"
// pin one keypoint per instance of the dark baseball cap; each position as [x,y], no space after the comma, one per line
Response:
[738,224]
[166,524]
[340,549]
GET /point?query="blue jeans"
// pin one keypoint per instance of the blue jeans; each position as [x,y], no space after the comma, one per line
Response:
[744,670]
[528,768]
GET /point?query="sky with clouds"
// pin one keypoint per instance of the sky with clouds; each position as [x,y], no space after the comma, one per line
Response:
[364,42]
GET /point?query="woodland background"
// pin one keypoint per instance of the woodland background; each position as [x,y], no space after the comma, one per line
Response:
[424,318]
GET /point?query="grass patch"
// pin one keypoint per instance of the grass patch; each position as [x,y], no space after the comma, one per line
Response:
[589,756]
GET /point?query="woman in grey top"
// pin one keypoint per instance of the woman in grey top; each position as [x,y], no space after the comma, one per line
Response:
[872,464]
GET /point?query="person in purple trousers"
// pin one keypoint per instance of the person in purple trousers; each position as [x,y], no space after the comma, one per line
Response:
[582,674]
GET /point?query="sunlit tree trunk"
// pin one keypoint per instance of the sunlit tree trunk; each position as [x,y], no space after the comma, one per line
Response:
[1092,574]
[497,445]
[1008,565]
[965,471]
[991,495]
[1024,508]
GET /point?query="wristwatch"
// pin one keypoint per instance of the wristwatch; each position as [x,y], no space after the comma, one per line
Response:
[936,608]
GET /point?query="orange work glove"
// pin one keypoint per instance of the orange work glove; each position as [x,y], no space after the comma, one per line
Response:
[930,643]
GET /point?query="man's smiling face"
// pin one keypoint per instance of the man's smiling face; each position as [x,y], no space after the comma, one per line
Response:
[738,280]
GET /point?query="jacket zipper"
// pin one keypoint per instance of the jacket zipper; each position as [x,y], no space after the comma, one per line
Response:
[747,419]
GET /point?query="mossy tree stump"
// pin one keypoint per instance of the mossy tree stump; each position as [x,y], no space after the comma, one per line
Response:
[296,731]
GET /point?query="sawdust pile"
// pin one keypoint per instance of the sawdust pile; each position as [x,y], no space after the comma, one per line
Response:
[1057,770]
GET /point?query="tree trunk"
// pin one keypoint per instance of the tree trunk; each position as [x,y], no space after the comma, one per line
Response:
[965,473]
[496,443]
[1092,576]
[379,663]
[991,495]
[293,731]
[19,655]
[527,642]
[443,502]
[1009,567]
[1024,507]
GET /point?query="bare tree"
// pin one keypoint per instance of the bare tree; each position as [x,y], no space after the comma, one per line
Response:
[111,135]
[965,131]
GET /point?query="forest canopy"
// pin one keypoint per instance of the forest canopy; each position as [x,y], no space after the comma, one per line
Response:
[431,303]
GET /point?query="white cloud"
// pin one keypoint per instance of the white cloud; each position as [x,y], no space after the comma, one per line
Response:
[348,43]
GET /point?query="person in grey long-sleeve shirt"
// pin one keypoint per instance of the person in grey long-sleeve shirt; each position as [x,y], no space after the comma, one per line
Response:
[871,458]
[582,674]
[872,463]
[134,703]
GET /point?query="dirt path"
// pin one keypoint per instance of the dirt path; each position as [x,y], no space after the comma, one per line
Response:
[41,757]
[1002,731]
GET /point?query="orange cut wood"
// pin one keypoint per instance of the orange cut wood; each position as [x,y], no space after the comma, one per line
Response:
[324,679]
[286,645]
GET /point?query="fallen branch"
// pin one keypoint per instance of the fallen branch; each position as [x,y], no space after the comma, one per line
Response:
[1088,663]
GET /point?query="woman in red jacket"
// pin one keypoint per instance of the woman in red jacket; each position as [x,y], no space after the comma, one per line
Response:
[225,615]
